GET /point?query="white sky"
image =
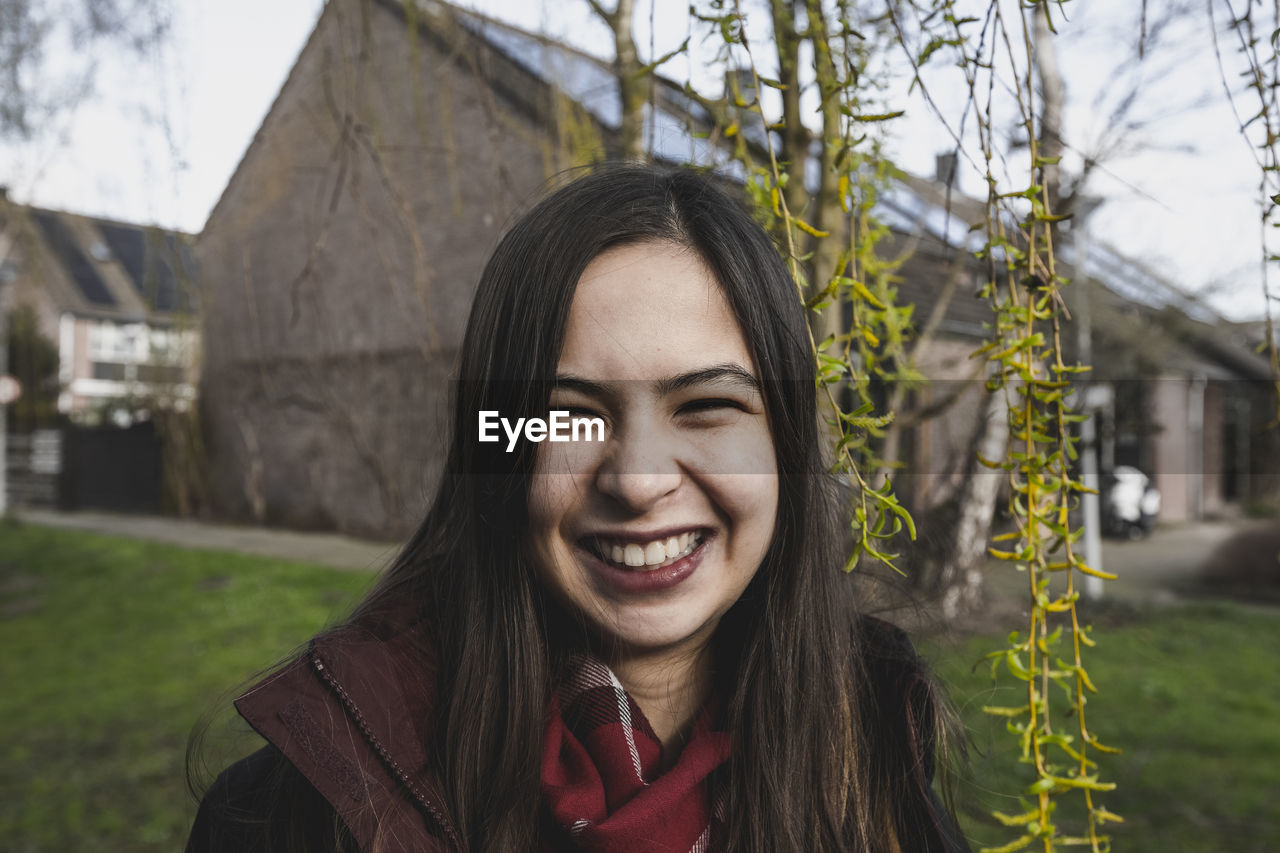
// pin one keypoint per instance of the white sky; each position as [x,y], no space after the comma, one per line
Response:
[161,141]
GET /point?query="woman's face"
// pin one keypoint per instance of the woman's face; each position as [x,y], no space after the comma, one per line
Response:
[654,532]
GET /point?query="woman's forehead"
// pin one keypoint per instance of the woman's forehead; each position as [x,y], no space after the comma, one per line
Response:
[649,311]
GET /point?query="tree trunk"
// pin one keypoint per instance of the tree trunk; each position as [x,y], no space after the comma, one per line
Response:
[1052,94]
[631,86]
[794,135]
[828,212]
[630,74]
[947,567]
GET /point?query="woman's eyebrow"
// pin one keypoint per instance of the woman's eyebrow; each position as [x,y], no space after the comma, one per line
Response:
[569,382]
[728,373]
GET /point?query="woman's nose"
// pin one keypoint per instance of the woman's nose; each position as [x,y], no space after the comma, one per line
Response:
[639,469]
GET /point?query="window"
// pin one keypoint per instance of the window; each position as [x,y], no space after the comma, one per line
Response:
[107,370]
[161,373]
[118,342]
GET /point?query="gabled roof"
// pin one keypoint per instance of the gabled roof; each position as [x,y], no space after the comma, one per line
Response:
[102,267]
[592,83]
[159,263]
[910,206]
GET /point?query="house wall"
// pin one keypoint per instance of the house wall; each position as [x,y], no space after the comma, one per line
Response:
[137,368]
[1214,469]
[338,271]
[1171,445]
[1190,461]
[1187,452]
[41,282]
[937,451]
[948,364]
[80,365]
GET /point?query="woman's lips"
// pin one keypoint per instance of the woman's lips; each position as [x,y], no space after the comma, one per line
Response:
[641,579]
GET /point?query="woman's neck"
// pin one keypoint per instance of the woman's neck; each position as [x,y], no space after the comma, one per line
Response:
[670,687]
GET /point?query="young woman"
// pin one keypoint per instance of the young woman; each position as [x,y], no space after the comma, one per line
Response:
[635,640]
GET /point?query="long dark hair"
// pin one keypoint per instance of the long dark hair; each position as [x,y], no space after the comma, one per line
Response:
[810,768]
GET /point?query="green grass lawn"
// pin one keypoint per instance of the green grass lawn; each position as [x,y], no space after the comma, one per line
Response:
[112,649]
[1192,696]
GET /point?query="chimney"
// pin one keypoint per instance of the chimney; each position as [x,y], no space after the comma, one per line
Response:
[944,168]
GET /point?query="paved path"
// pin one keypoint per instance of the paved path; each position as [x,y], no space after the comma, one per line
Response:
[1151,570]
[1169,558]
[327,549]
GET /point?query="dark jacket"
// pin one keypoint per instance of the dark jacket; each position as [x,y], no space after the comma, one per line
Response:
[346,729]
[349,717]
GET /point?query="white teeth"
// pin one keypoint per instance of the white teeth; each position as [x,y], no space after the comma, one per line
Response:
[650,555]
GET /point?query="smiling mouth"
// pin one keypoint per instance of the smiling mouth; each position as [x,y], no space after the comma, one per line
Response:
[645,556]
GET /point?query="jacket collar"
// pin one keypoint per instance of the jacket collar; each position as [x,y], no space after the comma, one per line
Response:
[351,713]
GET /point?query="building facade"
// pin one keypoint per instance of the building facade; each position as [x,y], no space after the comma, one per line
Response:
[116,299]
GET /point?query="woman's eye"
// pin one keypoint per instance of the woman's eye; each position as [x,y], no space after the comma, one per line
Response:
[710,405]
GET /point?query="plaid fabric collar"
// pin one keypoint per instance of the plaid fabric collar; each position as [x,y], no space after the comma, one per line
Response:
[602,778]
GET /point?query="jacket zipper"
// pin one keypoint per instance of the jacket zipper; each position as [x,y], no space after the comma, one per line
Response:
[418,794]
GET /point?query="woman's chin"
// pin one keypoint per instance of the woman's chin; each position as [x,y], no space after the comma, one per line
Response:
[654,630]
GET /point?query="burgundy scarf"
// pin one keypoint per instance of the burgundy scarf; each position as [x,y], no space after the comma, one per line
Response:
[601,771]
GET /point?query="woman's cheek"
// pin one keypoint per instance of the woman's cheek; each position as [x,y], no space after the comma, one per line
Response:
[744,450]
[569,461]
